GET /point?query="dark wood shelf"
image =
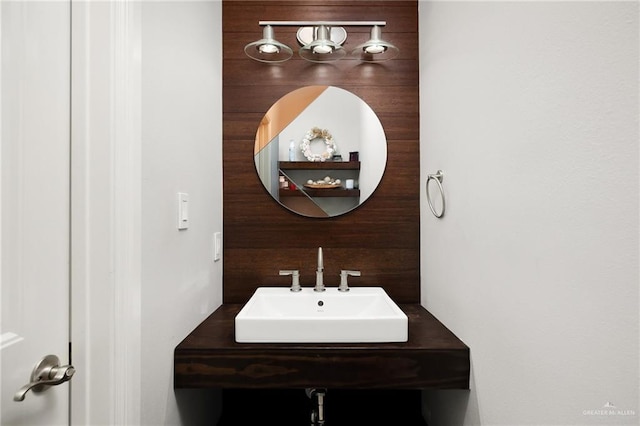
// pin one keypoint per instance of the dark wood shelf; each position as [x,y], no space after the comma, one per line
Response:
[433,357]
[319,165]
[333,192]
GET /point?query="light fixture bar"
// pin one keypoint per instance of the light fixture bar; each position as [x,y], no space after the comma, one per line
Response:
[321,42]
[327,23]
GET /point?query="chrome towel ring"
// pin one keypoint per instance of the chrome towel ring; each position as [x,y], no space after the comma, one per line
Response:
[438,178]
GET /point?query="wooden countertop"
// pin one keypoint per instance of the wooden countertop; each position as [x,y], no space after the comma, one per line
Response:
[433,357]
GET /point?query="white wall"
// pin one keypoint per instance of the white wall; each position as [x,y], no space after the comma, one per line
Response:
[181,152]
[531,110]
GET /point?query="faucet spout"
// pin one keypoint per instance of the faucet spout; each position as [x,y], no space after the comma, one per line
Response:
[319,272]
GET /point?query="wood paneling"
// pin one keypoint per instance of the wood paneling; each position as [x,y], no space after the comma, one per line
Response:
[381,237]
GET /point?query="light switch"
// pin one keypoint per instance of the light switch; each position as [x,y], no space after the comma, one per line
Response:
[183,210]
[217,246]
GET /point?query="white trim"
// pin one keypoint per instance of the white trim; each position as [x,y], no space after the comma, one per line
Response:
[106,211]
[126,111]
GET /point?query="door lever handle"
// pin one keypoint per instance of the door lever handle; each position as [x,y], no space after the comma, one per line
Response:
[46,373]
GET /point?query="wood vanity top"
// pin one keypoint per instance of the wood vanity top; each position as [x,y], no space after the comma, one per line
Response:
[433,357]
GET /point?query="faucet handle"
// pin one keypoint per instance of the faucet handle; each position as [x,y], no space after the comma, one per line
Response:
[295,279]
[344,286]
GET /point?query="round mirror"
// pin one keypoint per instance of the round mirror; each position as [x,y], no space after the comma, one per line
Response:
[320,151]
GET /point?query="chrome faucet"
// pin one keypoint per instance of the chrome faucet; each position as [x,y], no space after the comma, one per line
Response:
[295,279]
[344,285]
[319,272]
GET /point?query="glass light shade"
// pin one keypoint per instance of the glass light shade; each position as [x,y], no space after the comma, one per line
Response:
[322,48]
[375,49]
[268,49]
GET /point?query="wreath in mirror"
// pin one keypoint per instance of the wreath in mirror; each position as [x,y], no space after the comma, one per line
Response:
[317,133]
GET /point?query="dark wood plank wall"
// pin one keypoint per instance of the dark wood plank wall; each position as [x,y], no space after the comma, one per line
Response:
[382,237]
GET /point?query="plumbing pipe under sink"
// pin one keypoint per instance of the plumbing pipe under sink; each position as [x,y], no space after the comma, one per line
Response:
[317,414]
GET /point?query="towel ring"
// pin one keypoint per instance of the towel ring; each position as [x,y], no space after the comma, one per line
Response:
[438,178]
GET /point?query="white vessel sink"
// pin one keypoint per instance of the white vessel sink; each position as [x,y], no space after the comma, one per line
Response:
[361,315]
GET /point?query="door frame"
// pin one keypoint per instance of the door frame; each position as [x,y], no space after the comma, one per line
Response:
[106,212]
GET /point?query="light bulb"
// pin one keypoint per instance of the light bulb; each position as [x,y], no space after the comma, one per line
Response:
[269,48]
[322,49]
[375,49]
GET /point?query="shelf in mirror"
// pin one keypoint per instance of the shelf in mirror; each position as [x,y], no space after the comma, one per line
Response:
[319,165]
[335,192]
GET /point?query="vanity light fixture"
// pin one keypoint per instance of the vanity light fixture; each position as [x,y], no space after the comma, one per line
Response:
[268,49]
[322,48]
[321,41]
[376,49]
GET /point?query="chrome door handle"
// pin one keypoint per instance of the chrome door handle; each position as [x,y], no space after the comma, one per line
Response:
[47,372]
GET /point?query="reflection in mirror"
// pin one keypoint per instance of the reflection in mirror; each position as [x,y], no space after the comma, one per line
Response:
[320,151]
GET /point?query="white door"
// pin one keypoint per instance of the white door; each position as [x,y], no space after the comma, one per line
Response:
[34,229]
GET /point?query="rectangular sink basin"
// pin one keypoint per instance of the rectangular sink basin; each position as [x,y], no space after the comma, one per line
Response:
[361,315]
